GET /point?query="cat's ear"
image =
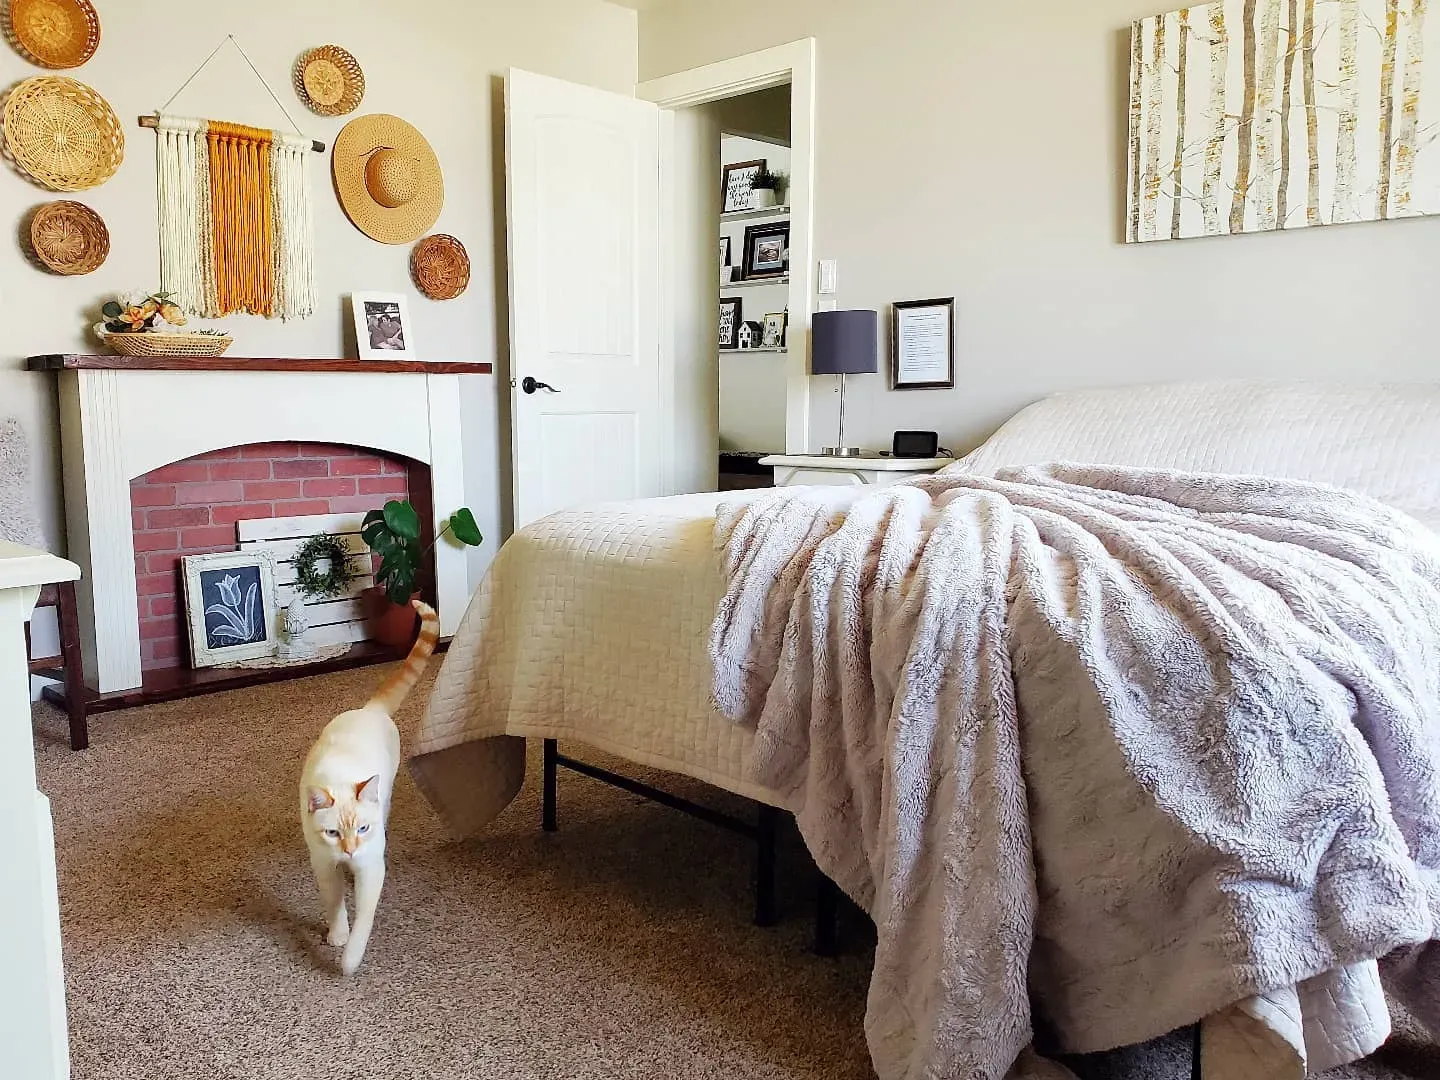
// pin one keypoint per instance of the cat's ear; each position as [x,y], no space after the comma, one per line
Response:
[320,799]
[368,790]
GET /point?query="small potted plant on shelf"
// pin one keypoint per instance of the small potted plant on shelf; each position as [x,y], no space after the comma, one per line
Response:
[393,533]
[144,323]
[765,189]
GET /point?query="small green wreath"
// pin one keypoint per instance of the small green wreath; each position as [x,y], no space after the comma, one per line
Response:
[310,580]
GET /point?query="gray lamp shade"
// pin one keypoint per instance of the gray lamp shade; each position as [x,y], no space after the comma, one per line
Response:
[845,343]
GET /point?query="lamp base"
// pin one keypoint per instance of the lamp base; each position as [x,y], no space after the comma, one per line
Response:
[842,451]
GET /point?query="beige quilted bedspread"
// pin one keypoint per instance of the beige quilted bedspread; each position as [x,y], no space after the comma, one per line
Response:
[590,626]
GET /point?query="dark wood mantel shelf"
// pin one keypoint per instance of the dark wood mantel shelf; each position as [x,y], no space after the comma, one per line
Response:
[82,362]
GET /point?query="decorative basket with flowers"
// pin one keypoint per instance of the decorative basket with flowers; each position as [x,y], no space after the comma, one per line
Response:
[149,324]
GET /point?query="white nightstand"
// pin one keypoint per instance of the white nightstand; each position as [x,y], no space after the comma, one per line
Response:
[799,470]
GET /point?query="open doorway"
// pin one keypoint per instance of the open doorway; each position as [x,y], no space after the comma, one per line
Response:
[738,280]
[754,316]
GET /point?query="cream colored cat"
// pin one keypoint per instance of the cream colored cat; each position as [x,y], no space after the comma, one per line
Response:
[345,799]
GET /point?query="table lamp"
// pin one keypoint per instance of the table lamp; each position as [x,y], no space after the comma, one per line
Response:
[844,343]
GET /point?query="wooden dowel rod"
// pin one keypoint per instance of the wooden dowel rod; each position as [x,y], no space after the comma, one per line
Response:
[154,121]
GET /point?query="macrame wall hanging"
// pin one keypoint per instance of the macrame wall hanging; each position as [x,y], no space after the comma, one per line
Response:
[236,233]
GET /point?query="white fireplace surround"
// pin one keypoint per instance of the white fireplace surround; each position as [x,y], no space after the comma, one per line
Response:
[119,424]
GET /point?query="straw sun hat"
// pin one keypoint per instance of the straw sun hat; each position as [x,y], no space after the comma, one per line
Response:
[387,177]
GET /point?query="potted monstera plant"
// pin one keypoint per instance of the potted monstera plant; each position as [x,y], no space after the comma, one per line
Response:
[394,533]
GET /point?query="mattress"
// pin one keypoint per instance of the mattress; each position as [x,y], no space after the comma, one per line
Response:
[591,626]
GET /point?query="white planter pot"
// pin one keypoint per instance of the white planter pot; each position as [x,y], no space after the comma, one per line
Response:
[762,198]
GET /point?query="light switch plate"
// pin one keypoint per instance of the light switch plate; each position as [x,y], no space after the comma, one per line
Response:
[829,277]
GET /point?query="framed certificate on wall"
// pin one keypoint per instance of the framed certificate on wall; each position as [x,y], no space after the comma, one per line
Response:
[922,344]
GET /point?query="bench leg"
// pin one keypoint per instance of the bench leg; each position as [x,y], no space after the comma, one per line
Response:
[547,811]
[69,616]
[1195,1071]
[765,826]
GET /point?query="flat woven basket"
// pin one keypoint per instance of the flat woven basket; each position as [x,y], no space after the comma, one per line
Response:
[62,133]
[168,344]
[69,237]
[440,266]
[329,81]
[53,33]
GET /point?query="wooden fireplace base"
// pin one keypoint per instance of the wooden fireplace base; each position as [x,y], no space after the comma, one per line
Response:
[172,684]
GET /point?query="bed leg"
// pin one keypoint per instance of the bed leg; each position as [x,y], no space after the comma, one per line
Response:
[1195,1072]
[547,811]
[765,826]
[827,916]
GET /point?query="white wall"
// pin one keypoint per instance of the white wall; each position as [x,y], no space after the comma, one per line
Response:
[752,385]
[437,63]
[977,150]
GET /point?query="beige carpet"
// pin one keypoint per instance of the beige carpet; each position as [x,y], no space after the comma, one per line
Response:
[619,947]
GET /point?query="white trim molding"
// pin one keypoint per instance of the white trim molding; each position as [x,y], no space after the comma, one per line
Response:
[792,63]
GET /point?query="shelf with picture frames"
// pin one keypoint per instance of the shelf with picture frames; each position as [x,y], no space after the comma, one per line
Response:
[763,211]
[757,349]
[751,283]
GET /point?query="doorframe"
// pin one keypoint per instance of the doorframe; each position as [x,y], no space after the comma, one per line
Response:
[792,63]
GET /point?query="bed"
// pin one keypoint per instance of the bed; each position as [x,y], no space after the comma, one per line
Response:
[592,625]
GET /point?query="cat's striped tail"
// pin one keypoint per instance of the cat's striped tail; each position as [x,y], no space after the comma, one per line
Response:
[392,693]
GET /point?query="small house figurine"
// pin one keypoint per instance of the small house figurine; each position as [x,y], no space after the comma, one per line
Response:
[750,335]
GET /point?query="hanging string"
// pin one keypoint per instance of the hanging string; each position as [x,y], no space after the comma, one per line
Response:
[246,57]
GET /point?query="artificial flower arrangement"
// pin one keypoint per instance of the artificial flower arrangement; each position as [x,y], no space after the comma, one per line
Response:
[151,323]
[139,311]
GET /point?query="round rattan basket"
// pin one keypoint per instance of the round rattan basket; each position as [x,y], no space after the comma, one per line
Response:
[440,266]
[53,33]
[69,237]
[329,81]
[62,133]
[169,344]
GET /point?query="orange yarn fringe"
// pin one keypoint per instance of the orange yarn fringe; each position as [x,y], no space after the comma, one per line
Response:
[240,215]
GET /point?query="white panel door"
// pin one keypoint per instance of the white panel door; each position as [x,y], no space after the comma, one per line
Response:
[583,182]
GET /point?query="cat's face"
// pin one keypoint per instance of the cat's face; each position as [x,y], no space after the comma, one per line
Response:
[348,819]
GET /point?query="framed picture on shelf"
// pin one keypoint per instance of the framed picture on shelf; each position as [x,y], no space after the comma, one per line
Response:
[383,330]
[738,178]
[922,344]
[775,330]
[724,251]
[230,606]
[730,322]
[766,248]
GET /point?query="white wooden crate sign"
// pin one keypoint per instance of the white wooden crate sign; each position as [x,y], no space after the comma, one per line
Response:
[331,621]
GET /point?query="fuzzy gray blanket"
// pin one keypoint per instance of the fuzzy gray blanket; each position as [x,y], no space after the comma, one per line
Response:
[1143,747]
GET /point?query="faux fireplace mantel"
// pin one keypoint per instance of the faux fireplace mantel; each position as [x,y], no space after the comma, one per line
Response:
[122,417]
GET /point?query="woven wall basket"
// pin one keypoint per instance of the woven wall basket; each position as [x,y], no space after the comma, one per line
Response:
[62,133]
[69,237]
[53,33]
[440,266]
[329,81]
[168,344]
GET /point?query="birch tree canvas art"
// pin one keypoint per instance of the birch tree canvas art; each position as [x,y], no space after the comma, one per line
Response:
[1257,115]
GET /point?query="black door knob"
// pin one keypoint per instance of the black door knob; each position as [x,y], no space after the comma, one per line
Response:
[530,385]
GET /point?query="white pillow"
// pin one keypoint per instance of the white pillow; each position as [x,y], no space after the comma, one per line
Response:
[1382,440]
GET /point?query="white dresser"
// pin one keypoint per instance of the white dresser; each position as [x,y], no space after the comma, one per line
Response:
[800,470]
[32,980]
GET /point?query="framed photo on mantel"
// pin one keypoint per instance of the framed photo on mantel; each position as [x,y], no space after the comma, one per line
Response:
[922,345]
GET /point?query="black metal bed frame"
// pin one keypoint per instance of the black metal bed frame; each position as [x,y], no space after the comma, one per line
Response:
[828,897]
[762,831]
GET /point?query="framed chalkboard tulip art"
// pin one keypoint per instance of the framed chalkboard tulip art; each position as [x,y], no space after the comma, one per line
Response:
[230,603]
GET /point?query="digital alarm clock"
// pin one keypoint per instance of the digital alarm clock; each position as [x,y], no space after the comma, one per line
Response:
[915,444]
